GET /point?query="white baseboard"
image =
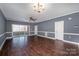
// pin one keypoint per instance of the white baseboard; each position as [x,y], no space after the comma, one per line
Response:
[31,34]
[2,34]
[47,37]
[71,42]
[40,36]
[3,41]
[9,37]
[2,44]
[61,40]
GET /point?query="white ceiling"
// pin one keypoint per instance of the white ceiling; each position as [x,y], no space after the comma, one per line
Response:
[22,11]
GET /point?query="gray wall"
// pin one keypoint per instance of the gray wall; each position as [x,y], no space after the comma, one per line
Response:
[9,25]
[2,23]
[2,27]
[69,26]
[46,26]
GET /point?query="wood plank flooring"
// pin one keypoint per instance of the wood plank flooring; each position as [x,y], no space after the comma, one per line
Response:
[38,46]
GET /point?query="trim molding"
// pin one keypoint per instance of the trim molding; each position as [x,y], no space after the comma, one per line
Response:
[2,44]
[47,37]
[71,42]
[40,36]
[8,37]
[71,33]
[64,33]
[3,41]
[2,34]
[58,39]
[8,32]
[46,32]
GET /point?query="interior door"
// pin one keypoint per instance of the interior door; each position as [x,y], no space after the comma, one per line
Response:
[59,30]
[36,30]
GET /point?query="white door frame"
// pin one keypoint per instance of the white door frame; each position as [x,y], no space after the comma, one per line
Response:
[59,30]
[36,29]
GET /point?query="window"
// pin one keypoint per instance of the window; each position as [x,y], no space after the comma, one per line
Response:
[17,28]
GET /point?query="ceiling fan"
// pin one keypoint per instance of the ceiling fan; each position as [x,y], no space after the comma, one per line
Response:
[32,19]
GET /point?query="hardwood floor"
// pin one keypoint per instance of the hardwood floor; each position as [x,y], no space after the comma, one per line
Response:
[38,46]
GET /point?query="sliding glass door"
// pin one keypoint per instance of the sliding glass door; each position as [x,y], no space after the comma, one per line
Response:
[19,30]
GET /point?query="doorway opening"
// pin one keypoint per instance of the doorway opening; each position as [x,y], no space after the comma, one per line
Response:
[59,30]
